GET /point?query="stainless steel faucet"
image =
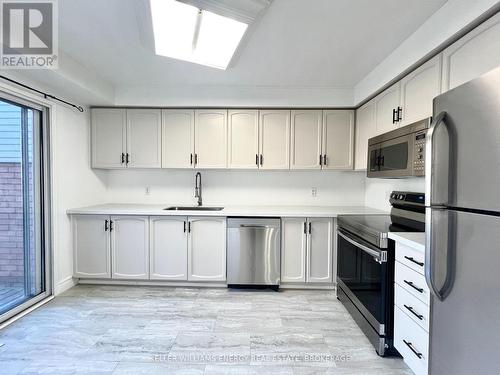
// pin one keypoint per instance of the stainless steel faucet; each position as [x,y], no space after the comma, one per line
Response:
[197,188]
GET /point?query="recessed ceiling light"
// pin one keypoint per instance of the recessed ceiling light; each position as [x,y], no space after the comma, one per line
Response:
[184,32]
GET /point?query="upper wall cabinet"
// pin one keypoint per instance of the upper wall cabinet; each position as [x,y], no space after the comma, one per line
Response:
[274,130]
[109,137]
[210,138]
[418,89]
[143,138]
[365,129]
[243,143]
[126,138]
[338,140]
[386,109]
[473,55]
[306,132]
[177,138]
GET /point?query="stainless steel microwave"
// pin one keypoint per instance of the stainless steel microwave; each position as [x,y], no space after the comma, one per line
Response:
[398,153]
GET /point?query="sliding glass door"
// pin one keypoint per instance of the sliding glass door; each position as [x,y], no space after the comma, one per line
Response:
[23,188]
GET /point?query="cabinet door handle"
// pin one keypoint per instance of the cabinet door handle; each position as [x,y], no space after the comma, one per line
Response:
[320,160]
[257,159]
[195,159]
[184,226]
[123,157]
[261,159]
[110,225]
[411,259]
[410,309]
[400,114]
[127,158]
[394,114]
[191,159]
[416,352]
[189,227]
[305,227]
[324,160]
[410,283]
[310,228]
[105,225]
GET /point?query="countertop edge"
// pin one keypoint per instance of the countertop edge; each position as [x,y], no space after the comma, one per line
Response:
[406,238]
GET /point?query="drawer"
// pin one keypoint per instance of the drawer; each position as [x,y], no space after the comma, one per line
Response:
[412,282]
[412,306]
[410,257]
[411,341]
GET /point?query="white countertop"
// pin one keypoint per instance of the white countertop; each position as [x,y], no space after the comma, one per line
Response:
[415,240]
[266,211]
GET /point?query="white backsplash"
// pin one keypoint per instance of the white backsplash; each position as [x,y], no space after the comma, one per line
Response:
[378,190]
[237,187]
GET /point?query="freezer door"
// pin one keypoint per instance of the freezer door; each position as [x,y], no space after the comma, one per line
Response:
[465,325]
[463,146]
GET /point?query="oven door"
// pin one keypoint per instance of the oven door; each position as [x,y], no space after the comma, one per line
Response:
[392,159]
[364,274]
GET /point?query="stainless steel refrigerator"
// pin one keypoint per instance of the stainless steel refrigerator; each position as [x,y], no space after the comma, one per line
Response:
[462,265]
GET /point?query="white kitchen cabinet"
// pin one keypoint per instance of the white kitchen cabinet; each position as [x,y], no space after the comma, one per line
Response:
[168,248]
[206,249]
[293,249]
[418,89]
[306,133]
[338,139]
[306,250]
[210,138]
[319,250]
[274,130]
[177,138]
[365,129]
[243,139]
[109,137]
[143,138]
[91,246]
[385,104]
[473,55]
[130,247]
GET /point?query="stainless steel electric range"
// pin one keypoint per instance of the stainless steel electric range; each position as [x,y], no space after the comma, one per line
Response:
[365,265]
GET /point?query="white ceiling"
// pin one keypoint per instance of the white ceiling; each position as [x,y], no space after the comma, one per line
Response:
[299,43]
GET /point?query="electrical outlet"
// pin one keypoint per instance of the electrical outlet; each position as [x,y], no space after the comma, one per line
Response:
[314,191]
[148,190]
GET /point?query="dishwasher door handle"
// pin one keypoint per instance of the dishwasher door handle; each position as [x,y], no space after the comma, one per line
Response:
[257,226]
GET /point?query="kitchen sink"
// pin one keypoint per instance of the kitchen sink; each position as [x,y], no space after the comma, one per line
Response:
[193,208]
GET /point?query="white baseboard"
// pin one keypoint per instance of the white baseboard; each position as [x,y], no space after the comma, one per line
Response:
[308,286]
[64,285]
[221,284]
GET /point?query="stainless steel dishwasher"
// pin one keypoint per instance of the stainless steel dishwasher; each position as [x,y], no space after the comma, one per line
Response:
[253,252]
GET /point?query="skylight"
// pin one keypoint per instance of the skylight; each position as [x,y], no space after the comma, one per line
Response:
[187,33]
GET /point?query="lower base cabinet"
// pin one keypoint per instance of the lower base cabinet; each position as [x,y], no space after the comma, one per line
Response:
[307,250]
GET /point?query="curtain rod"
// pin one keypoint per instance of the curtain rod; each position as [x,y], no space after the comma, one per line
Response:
[45,95]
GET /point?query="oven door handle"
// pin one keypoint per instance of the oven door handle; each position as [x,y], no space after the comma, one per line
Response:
[379,255]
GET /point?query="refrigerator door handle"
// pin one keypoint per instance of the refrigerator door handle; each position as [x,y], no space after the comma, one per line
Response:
[429,153]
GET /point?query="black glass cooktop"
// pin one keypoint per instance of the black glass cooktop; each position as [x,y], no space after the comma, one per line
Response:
[378,224]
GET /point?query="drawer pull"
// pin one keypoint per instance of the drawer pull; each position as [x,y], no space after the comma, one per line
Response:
[411,259]
[410,309]
[416,352]
[410,283]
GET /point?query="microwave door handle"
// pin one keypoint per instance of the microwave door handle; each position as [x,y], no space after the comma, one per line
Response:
[378,255]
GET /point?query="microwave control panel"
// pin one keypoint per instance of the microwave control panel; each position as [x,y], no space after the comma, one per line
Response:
[419,154]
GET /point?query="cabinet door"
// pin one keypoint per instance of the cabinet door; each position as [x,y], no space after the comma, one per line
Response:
[274,132]
[130,247]
[109,139]
[210,135]
[418,89]
[243,139]
[177,138]
[144,138]
[338,139]
[473,55]
[319,250]
[207,249]
[168,248]
[293,249]
[91,247]
[306,132]
[385,103]
[365,129]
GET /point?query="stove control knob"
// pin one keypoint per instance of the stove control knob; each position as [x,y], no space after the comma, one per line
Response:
[401,196]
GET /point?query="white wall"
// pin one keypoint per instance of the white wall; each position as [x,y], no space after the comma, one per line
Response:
[74,184]
[452,17]
[238,187]
[377,190]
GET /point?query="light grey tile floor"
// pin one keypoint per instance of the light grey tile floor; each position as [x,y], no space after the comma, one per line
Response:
[159,330]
